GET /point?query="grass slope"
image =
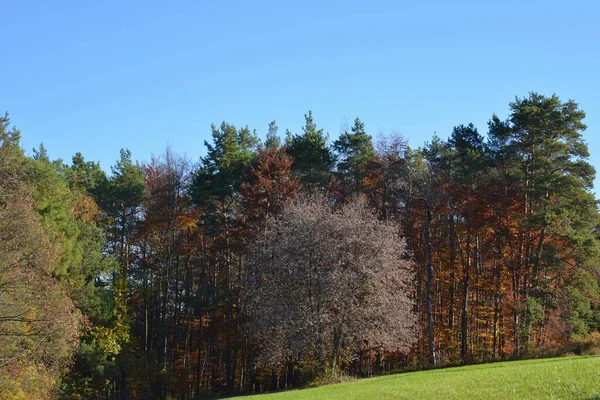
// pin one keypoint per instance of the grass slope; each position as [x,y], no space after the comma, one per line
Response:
[554,378]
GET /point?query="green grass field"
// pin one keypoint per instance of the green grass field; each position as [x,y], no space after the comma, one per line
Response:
[554,378]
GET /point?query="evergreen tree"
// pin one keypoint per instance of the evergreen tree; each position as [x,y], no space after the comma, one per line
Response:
[313,160]
[273,141]
[354,148]
[226,162]
[120,197]
[543,134]
[354,151]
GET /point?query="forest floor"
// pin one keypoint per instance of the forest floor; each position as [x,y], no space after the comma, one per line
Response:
[552,378]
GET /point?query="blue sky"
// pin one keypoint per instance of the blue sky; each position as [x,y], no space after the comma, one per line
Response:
[98,76]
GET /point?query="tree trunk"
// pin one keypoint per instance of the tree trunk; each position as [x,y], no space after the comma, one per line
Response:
[430,332]
[452,275]
[465,302]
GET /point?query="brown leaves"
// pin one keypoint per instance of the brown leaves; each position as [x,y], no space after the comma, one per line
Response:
[319,280]
[38,321]
[269,185]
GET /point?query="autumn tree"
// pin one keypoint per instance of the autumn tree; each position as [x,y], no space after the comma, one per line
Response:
[39,324]
[268,186]
[162,273]
[542,138]
[169,280]
[214,190]
[321,282]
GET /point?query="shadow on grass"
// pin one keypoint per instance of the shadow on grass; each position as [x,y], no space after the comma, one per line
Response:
[503,364]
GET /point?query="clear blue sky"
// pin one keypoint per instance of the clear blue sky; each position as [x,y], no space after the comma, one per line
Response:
[96,76]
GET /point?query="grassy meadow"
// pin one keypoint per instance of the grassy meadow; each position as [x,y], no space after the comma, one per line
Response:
[553,378]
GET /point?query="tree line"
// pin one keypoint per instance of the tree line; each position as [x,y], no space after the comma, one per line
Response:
[268,265]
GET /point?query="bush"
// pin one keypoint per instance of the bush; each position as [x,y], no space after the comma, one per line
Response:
[585,345]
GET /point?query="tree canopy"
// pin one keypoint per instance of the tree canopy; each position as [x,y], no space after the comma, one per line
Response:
[267,266]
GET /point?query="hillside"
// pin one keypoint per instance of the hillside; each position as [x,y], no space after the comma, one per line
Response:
[555,378]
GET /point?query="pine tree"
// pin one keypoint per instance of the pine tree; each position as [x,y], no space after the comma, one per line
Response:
[355,152]
[313,160]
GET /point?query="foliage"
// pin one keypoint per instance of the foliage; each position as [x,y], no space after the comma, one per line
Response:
[167,279]
[38,321]
[354,152]
[312,158]
[321,281]
[268,187]
[585,345]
